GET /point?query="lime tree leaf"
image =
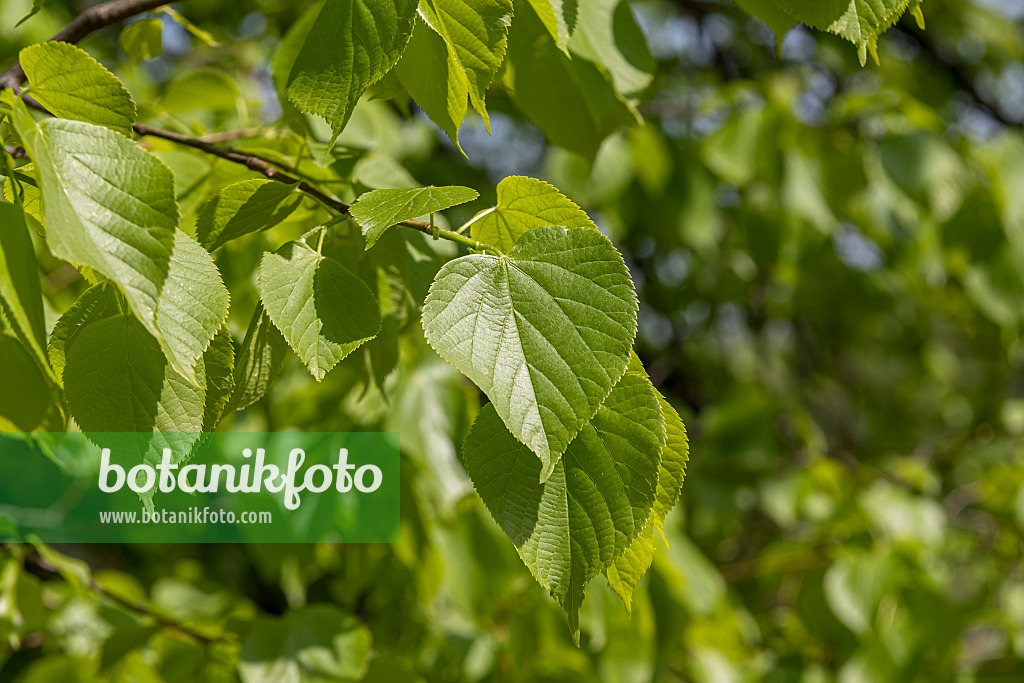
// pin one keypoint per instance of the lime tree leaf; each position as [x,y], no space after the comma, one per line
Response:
[628,568]
[378,210]
[596,501]
[142,39]
[477,31]
[309,645]
[858,21]
[606,33]
[258,362]
[21,298]
[244,208]
[119,223]
[571,100]
[545,331]
[324,310]
[73,85]
[33,405]
[429,71]
[552,16]
[193,304]
[117,380]
[526,204]
[770,13]
[99,301]
[219,366]
[351,45]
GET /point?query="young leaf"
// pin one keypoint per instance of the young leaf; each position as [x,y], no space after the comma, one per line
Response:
[117,380]
[98,215]
[858,21]
[219,365]
[596,501]
[545,331]
[429,71]
[315,643]
[258,362]
[142,39]
[21,297]
[193,304]
[525,204]
[244,208]
[477,32]
[378,210]
[351,45]
[324,310]
[73,85]
[629,567]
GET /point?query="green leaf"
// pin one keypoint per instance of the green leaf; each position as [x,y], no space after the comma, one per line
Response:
[117,380]
[596,501]
[258,363]
[98,215]
[34,405]
[350,46]
[21,298]
[378,210]
[192,306]
[606,33]
[314,644]
[324,310]
[552,16]
[525,204]
[545,331]
[858,21]
[142,39]
[769,12]
[477,31]
[571,100]
[429,71]
[629,567]
[219,366]
[36,6]
[72,85]
[99,301]
[244,208]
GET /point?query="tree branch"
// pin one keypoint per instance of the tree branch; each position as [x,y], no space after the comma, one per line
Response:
[85,23]
[267,168]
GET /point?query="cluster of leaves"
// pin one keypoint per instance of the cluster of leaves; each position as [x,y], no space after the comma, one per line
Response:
[831,303]
[542,318]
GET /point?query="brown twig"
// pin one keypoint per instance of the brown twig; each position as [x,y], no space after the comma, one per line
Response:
[85,23]
[40,564]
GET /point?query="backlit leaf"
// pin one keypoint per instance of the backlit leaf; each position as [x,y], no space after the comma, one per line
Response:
[73,85]
[525,204]
[244,208]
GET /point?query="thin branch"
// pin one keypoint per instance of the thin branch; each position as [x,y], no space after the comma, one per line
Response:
[92,19]
[41,564]
[267,168]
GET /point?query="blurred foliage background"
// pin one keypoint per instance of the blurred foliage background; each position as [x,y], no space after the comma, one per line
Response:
[830,263]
